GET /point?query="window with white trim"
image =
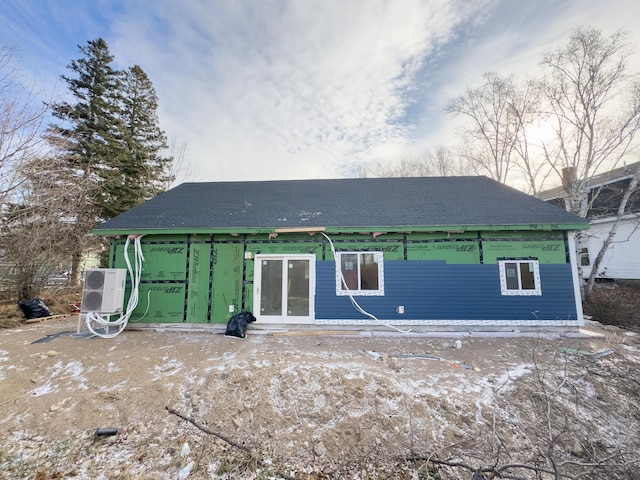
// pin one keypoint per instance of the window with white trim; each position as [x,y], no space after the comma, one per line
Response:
[360,273]
[520,277]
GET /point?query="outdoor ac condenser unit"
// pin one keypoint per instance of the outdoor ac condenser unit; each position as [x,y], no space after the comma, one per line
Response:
[103,290]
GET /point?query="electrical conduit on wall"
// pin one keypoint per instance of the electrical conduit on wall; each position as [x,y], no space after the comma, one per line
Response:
[355,304]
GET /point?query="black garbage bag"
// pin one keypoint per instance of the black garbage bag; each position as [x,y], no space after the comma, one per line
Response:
[237,325]
[34,308]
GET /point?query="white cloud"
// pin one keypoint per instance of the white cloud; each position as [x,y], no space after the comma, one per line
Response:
[276,89]
[287,89]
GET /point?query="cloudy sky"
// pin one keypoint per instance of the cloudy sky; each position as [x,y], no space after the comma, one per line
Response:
[289,89]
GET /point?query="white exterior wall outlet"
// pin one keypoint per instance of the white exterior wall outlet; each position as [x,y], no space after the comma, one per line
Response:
[248,255]
[400,309]
[232,308]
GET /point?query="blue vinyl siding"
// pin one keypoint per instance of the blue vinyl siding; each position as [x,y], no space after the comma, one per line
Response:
[431,290]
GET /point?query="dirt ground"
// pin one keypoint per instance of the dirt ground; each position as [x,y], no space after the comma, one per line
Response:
[322,405]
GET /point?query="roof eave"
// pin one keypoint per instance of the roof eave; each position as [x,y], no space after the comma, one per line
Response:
[329,229]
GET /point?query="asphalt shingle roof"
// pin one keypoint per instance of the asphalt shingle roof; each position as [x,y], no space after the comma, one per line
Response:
[362,202]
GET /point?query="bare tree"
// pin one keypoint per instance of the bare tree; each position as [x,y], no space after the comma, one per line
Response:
[22,117]
[593,107]
[493,127]
[439,162]
[39,227]
[444,162]
[530,132]
[180,166]
[622,211]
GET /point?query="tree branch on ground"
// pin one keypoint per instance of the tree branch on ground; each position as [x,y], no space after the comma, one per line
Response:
[252,453]
[563,445]
[219,435]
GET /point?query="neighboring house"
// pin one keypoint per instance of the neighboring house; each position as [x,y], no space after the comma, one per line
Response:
[450,251]
[603,195]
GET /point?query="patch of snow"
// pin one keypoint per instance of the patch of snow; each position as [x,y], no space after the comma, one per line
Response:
[74,369]
[44,389]
[353,376]
[171,367]
[262,363]
[117,386]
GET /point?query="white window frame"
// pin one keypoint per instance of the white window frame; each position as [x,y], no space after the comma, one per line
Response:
[258,288]
[341,286]
[535,264]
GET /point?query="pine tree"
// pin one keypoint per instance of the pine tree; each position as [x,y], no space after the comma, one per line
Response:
[110,138]
[91,128]
[89,135]
[144,167]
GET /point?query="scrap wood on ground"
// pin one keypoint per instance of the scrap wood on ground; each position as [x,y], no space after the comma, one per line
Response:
[44,319]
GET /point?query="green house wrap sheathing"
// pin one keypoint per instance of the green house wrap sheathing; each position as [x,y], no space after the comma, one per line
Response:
[164,262]
[208,278]
[168,294]
[198,293]
[160,303]
[227,270]
[547,247]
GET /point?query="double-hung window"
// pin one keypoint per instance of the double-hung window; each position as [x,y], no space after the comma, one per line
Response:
[359,273]
[520,277]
